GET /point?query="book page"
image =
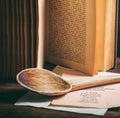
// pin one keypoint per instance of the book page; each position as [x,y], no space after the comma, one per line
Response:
[70,34]
[98,97]
[105,33]
[110,32]
[100,30]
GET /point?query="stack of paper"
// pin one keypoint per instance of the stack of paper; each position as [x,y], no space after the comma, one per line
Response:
[106,96]
[90,101]
[39,101]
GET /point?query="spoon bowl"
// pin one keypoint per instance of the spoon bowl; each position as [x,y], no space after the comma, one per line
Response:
[43,81]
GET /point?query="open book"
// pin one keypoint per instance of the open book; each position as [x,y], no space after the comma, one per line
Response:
[77,34]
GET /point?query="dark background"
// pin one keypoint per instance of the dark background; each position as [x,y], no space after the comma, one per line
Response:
[118,43]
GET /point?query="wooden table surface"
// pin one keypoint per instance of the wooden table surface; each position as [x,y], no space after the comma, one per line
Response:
[11,92]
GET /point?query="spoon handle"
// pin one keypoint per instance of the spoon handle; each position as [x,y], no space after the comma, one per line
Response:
[77,85]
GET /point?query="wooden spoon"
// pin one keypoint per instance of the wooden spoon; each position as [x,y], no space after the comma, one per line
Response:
[48,83]
[43,81]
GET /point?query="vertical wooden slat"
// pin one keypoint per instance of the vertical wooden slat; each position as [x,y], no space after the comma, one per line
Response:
[10,34]
[8,38]
[1,38]
[4,38]
[25,37]
[27,33]
[33,31]
[37,35]
[13,36]
[17,38]
[22,48]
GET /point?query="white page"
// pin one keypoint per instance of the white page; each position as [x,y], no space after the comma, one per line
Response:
[39,101]
[97,97]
